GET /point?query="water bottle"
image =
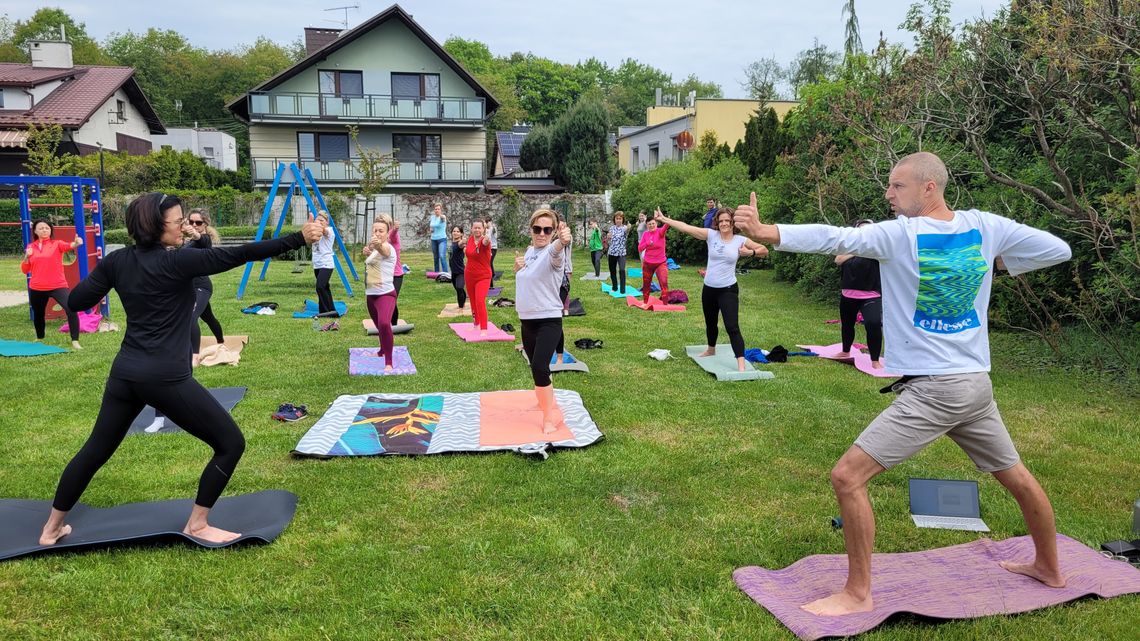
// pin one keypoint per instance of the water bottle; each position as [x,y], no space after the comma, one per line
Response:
[1136,517]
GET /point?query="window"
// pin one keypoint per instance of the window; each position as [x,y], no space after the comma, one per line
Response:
[349,84]
[1,98]
[678,153]
[416,147]
[635,164]
[322,147]
[208,152]
[653,156]
[121,110]
[415,85]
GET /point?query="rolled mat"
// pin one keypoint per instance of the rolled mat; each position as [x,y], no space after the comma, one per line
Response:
[385,424]
[22,348]
[472,334]
[958,582]
[722,365]
[261,516]
[227,397]
[365,361]
[402,327]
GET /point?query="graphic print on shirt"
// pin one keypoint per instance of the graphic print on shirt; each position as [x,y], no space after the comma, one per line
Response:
[951,269]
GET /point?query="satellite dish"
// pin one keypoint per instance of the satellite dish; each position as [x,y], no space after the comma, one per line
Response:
[685,140]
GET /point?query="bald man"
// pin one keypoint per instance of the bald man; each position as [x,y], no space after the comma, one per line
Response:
[936,274]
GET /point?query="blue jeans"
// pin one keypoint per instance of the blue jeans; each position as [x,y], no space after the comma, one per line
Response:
[438,254]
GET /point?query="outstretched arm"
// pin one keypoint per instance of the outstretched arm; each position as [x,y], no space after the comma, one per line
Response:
[216,260]
[700,233]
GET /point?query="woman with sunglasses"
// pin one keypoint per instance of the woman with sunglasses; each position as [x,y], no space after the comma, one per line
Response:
[478,273]
[720,294]
[156,289]
[538,277]
[43,261]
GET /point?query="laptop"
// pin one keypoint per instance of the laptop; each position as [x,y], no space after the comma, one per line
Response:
[946,504]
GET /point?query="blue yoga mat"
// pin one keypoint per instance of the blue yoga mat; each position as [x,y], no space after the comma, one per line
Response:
[21,348]
[311,309]
[629,291]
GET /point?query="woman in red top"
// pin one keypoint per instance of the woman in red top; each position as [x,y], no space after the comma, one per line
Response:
[477,273]
[43,260]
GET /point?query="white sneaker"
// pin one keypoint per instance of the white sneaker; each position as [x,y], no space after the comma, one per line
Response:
[158,424]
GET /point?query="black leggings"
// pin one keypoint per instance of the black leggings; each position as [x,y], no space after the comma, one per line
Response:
[460,289]
[596,257]
[617,270]
[726,302]
[540,337]
[186,403]
[397,282]
[201,306]
[324,292]
[211,321]
[494,251]
[872,309]
[39,302]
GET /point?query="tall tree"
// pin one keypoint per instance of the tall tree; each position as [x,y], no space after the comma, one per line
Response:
[852,43]
[762,79]
[580,149]
[812,65]
[45,25]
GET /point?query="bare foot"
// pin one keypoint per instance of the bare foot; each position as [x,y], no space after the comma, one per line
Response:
[51,538]
[482,332]
[389,368]
[211,534]
[1051,579]
[741,366]
[560,360]
[837,605]
[195,360]
[76,345]
[877,364]
[708,352]
[842,355]
[551,420]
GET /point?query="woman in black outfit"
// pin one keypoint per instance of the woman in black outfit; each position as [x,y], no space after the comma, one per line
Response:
[861,292]
[202,236]
[456,262]
[156,289]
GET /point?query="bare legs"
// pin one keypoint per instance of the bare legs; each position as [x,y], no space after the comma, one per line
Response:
[1038,515]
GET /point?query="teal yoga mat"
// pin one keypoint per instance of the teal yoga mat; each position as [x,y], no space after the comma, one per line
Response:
[629,291]
[21,348]
[723,364]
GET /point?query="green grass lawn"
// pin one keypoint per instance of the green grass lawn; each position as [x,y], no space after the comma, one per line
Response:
[633,538]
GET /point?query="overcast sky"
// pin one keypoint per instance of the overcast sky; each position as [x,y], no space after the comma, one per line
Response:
[714,39]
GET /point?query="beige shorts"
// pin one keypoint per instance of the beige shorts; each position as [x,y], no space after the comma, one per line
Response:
[960,406]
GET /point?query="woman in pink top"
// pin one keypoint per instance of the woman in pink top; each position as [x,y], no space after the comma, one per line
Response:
[398,276]
[653,262]
[43,261]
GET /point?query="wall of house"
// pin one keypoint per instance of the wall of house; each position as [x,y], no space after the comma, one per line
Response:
[39,92]
[727,117]
[662,135]
[196,141]
[281,142]
[389,47]
[100,130]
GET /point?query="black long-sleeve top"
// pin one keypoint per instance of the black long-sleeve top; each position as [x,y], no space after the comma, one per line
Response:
[202,242]
[456,259]
[860,273]
[156,288]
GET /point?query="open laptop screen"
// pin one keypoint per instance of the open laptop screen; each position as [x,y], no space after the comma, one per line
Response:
[941,497]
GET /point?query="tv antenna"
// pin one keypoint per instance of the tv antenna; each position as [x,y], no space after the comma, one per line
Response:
[345,9]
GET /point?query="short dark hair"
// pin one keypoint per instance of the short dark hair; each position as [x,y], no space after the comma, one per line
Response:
[459,227]
[146,217]
[51,227]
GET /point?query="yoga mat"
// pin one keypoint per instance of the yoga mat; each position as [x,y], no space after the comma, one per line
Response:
[312,309]
[451,310]
[569,363]
[575,308]
[722,365]
[634,272]
[402,328]
[228,397]
[21,348]
[494,291]
[364,361]
[228,353]
[958,582]
[591,276]
[654,305]
[472,334]
[860,359]
[629,291]
[386,424]
[432,275]
[261,516]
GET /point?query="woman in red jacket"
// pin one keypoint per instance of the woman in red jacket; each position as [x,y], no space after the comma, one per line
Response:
[43,260]
[477,273]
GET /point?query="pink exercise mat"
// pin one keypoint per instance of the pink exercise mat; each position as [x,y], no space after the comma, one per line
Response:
[861,360]
[655,305]
[471,334]
[957,582]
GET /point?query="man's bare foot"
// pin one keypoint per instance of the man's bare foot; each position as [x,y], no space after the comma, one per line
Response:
[877,364]
[838,605]
[211,534]
[1051,579]
[51,538]
[708,352]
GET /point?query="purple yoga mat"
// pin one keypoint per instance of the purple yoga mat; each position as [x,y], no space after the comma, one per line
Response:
[363,361]
[472,334]
[957,582]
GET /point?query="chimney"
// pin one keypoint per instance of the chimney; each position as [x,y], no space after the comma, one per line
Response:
[50,55]
[317,38]
[657,97]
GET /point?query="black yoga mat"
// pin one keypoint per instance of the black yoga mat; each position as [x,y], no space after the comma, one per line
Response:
[261,516]
[227,396]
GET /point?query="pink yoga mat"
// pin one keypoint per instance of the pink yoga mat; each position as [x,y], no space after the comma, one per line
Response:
[861,360]
[470,333]
[957,582]
[655,305]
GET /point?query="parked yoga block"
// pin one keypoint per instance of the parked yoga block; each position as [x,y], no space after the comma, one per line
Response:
[1136,517]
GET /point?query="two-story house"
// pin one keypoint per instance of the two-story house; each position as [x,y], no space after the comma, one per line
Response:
[97,107]
[390,79]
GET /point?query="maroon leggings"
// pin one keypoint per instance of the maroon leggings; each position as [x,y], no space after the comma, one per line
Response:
[647,272]
[380,309]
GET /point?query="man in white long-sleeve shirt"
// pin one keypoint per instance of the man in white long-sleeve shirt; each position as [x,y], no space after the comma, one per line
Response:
[936,275]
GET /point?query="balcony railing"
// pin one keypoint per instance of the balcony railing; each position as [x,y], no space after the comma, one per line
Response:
[345,171]
[381,108]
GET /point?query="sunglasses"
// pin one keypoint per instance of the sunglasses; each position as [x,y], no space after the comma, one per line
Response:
[541,231]
[197,223]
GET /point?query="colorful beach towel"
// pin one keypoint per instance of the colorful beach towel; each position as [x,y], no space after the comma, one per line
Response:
[385,424]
